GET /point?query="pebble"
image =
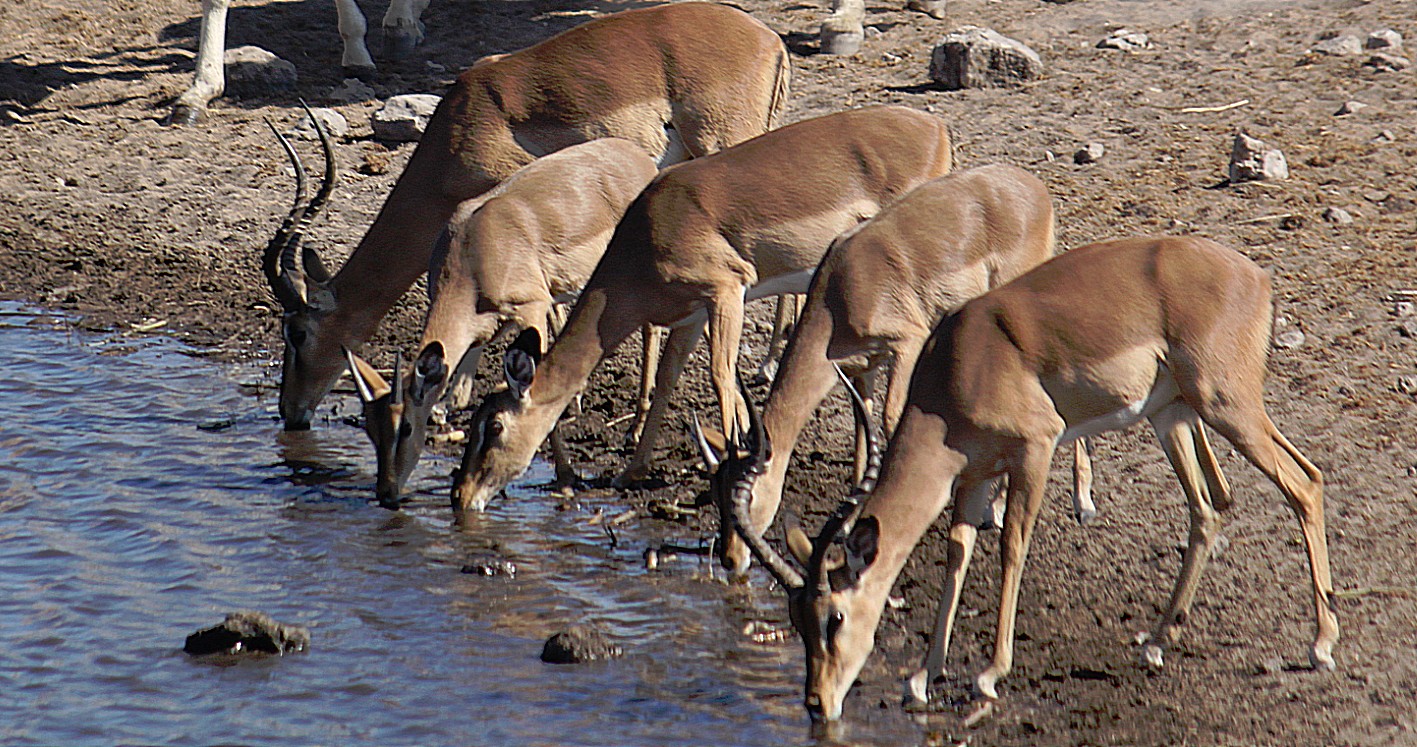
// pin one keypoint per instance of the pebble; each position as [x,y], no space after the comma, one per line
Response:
[1251,159]
[1408,328]
[1384,39]
[1390,63]
[1350,107]
[350,91]
[579,644]
[1404,308]
[402,118]
[1344,45]
[333,122]
[1090,153]
[490,565]
[1126,40]
[1406,384]
[1337,216]
[1289,340]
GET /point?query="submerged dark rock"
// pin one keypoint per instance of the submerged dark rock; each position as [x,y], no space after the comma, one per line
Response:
[248,632]
[579,644]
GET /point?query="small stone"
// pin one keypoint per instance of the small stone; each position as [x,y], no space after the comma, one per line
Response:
[579,644]
[933,8]
[254,72]
[490,565]
[1383,39]
[889,58]
[352,90]
[1388,63]
[333,122]
[974,57]
[1350,107]
[1338,216]
[402,118]
[1406,384]
[1404,308]
[1090,153]
[1289,340]
[1252,160]
[1408,328]
[1126,40]
[872,32]
[1385,136]
[248,633]
[1344,45]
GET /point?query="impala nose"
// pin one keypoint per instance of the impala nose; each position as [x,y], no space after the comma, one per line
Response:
[814,708]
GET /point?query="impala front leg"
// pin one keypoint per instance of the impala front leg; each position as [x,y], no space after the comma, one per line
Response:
[676,352]
[356,60]
[1028,476]
[210,79]
[402,28]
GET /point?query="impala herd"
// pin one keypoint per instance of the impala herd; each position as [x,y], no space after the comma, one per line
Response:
[632,166]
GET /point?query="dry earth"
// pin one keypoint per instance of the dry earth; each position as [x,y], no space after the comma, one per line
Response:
[107,213]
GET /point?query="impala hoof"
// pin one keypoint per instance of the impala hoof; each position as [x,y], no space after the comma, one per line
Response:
[917,690]
[365,73]
[401,40]
[1152,656]
[183,115]
[986,685]
[1322,660]
[1086,516]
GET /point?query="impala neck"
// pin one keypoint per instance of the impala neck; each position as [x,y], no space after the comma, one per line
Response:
[592,332]
[916,482]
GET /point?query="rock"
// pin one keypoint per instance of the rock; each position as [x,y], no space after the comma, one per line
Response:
[933,8]
[490,565]
[1090,153]
[402,118]
[1389,63]
[254,72]
[974,57]
[1252,160]
[1383,39]
[1338,216]
[1406,384]
[1404,308]
[1343,45]
[333,122]
[1350,107]
[352,90]
[579,644]
[1408,329]
[1126,40]
[1289,340]
[248,633]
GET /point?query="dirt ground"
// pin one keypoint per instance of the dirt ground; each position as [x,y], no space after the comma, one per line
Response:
[107,213]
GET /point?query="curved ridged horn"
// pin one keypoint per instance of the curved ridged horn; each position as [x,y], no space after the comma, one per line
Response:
[840,521]
[786,575]
[397,396]
[290,295]
[310,259]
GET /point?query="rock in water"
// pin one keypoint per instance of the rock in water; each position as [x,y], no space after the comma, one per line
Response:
[579,644]
[248,632]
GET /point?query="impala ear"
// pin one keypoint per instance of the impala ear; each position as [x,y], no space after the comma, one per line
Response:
[800,545]
[861,546]
[712,445]
[430,373]
[519,364]
[367,381]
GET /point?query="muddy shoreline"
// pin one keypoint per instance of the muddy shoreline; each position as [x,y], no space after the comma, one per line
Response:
[130,225]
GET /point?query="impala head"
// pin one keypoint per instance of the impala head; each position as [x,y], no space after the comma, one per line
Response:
[836,621]
[301,284]
[501,440]
[391,424]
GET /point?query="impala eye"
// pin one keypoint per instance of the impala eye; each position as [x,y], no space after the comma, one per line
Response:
[494,429]
[295,336]
[834,620]
[405,429]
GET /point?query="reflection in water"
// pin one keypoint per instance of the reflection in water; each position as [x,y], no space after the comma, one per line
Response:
[143,496]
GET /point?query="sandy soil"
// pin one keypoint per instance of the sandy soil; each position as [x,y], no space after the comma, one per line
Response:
[107,213]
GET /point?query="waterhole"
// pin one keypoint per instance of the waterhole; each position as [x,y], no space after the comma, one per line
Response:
[146,492]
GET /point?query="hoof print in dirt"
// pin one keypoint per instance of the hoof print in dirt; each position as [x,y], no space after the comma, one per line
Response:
[580,644]
[252,72]
[490,565]
[248,633]
[975,57]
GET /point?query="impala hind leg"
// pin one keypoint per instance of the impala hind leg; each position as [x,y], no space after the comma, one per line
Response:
[356,60]
[865,384]
[1246,425]
[1084,509]
[1178,428]
[402,28]
[1027,476]
[676,352]
[651,342]
[972,497]
[789,305]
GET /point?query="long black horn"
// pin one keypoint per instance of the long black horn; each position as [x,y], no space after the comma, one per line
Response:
[310,259]
[287,292]
[873,445]
[397,396]
[841,519]
[786,575]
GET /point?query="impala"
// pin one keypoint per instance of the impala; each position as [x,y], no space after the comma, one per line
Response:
[508,258]
[704,237]
[402,32]
[1172,330]
[652,76]
[879,291]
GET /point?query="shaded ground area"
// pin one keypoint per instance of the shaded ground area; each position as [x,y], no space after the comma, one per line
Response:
[106,213]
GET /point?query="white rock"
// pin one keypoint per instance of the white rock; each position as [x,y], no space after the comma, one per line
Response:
[1252,160]
[1126,40]
[1350,107]
[402,118]
[333,122]
[1338,215]
[1383,39]
[1090,153]
[1345,45]
[974,57]
[1388,62]
[1289,340]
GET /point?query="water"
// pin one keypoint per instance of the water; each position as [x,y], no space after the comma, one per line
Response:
[124,527]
